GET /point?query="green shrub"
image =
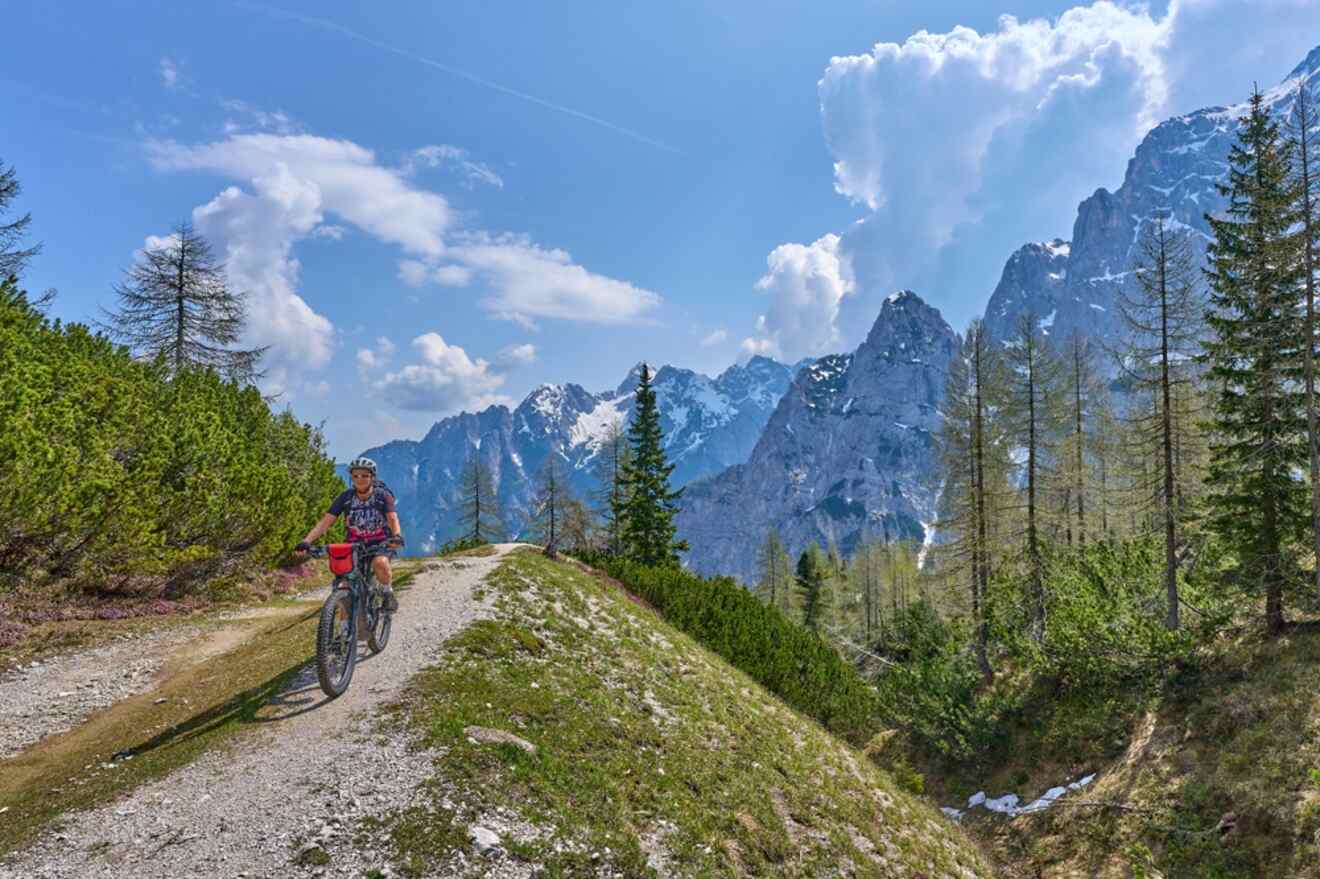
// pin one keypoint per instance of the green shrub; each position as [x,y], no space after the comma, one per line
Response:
[116,477]
[790,661]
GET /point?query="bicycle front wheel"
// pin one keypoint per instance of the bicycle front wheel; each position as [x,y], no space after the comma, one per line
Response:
[379,634]
[336,647]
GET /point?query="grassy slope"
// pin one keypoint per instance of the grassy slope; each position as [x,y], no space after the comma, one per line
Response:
[1240,736]
[650,750]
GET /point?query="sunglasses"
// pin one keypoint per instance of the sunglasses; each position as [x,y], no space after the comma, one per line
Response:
[361,475]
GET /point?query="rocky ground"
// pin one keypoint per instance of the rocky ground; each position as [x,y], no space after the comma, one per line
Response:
[289,799]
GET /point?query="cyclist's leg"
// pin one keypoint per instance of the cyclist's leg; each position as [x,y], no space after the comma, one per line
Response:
[380,568]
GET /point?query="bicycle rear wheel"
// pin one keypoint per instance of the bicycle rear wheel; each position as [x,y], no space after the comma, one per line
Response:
[336,646]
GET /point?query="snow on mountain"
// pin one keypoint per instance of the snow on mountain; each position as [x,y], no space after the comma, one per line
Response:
[709,424]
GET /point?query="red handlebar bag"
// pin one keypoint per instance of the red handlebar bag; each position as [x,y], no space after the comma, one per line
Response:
[341,558]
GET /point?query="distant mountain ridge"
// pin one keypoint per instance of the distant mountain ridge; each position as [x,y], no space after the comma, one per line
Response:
[709,424]
[808,483]
[1073,285]
[848,454]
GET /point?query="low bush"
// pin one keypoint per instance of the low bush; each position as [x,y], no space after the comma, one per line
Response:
[119,478]
[793,662]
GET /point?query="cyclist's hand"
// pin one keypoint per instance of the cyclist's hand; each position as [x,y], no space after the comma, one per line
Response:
[302,548]
[396,542]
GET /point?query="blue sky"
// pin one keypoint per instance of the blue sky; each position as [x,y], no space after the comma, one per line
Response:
[437,206]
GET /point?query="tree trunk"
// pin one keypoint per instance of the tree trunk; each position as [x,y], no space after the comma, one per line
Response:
[1170,534]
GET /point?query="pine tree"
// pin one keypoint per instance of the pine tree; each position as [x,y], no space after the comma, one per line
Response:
[611,497]
[175,303]
[1164,327]
[1033,404]
[810,576]
[1255,362]
[1308,203]
[775,587]
[648,521]
[481,521]
[13,258]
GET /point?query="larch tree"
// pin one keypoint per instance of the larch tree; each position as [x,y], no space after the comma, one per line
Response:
[175,303]
[480,517]
[553,504]
[13,256]
[968,445]
[1032,407]
[1163,324]
[775,586]
[611,496]
[1256,364]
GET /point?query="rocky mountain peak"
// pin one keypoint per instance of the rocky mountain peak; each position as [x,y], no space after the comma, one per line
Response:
[1309,66]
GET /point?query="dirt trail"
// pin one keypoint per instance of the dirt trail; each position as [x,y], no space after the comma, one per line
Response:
[294,786]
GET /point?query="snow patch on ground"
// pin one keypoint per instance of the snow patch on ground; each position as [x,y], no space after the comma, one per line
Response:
[1008,804]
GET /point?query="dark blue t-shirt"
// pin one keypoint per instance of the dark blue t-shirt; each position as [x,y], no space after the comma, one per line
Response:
[365,518]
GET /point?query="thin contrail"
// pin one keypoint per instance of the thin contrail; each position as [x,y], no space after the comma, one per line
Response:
[454,71]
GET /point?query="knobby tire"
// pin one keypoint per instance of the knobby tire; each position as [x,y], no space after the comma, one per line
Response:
[325,635]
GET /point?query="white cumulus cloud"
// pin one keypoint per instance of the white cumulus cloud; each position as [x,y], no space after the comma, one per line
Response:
[445,379]
[807,285]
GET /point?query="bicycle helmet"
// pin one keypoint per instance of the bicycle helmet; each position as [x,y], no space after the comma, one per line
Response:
[362,464]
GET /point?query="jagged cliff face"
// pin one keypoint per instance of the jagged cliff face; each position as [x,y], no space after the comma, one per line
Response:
[1175,172]
[709,424]
[847,455]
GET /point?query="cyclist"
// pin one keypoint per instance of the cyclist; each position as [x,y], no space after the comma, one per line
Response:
[368,510]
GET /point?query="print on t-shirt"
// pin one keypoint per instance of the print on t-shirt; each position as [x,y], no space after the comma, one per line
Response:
[365,518]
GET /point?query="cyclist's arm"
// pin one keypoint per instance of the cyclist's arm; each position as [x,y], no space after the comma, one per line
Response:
[396,530]
[326,523]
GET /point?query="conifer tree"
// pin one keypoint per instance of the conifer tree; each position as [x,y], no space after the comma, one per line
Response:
[810,576]
[13,258]
[1164,327]
[1256,363]
[971,450]
[1084,389]
[611,498]
[481,520]
[1304,134]
[775,587]
[648,522]
[1033,386]
[175,303]
[553,505]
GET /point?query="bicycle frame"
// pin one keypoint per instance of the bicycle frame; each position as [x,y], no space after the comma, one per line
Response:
[359,581]
[362,616]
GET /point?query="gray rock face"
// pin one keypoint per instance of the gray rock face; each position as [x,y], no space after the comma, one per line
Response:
[1174,173]
[847,455]
[709,424]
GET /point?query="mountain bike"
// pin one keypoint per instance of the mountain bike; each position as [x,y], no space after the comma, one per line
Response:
[355,605]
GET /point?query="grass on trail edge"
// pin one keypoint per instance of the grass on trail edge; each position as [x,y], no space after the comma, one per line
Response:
[653,756]
[207,704]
